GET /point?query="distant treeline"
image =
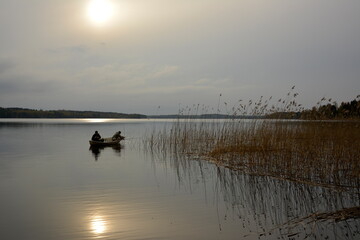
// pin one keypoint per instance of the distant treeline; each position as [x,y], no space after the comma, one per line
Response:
[346,110]
[31,113]
[203,116]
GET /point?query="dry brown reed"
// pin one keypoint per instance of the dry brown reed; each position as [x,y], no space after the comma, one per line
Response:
[340,215]
[345,214]
[323,153]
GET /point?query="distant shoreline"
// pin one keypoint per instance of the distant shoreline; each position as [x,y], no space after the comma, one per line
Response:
[346,111]
[33,113]
[68,114]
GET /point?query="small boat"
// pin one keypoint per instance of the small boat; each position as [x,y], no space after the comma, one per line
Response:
[106,141]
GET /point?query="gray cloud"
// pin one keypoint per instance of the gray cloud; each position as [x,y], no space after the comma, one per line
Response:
[5,65]
[69,50]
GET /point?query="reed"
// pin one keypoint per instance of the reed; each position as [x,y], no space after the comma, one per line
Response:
[323,153]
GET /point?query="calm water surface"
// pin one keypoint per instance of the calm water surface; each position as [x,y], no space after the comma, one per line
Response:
[54,187]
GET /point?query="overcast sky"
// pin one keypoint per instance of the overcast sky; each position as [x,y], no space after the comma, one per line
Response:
[176,53]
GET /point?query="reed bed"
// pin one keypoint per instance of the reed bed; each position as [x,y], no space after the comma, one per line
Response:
[325,153]
[313,152]
[320,153]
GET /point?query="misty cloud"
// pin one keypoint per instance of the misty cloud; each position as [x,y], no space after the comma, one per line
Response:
[5,65]
[69,50]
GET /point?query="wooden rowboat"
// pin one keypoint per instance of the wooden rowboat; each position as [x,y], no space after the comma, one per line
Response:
[107,141]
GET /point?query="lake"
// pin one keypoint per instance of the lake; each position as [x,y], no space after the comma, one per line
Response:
[53,186]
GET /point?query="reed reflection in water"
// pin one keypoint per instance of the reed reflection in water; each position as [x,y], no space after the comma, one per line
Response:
[266,207]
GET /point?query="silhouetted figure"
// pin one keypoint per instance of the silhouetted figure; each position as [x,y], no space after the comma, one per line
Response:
[117,135]
[96,136]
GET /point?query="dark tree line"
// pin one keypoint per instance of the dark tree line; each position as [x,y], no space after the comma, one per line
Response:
[31,113]
[346,110]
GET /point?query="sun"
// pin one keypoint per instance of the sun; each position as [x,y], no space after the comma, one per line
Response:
[100,11]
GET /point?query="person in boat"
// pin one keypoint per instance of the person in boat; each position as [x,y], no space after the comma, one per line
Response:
[116,135]
[96,137]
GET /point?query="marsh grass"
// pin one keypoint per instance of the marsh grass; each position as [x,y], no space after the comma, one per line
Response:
[325,153]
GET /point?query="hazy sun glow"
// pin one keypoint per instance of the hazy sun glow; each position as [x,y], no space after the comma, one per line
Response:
[100,11]
[98,225]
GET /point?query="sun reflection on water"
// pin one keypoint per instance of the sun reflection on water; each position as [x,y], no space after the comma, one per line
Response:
[98,225]
[97,120]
